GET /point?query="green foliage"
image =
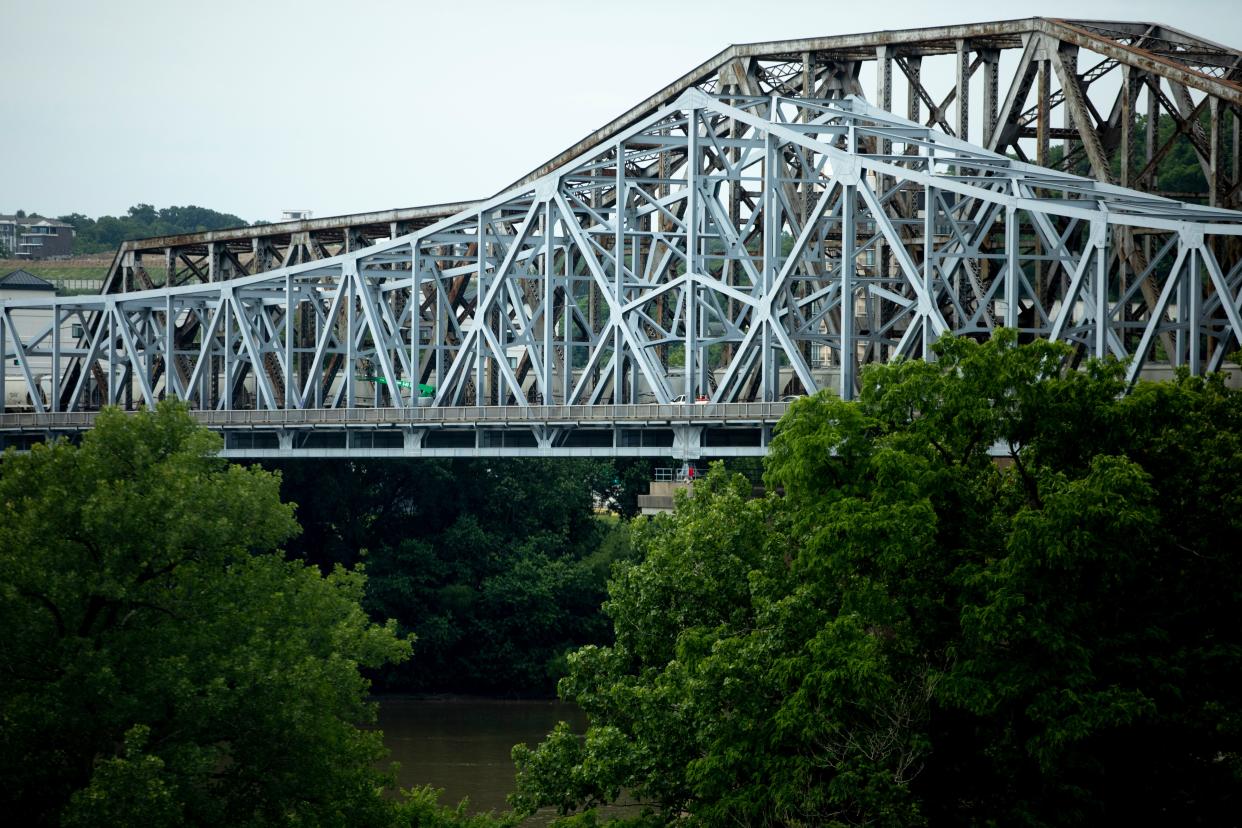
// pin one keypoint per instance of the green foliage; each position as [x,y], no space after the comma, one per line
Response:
[105,234]
[421,808]
[161,667]
[498,566]
[1178,172]
[912,632]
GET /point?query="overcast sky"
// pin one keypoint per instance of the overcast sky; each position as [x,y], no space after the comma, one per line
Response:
[256,106]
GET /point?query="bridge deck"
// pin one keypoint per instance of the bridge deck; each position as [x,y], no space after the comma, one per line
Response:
[647,430]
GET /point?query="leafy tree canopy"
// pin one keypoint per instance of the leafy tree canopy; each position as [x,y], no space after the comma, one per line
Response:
[913,632]
[105,234]
[161,667]
[497,565]
[1179,171]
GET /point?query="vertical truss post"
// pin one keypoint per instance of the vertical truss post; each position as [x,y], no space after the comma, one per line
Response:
[1237,146]
[1150,133]
[929,252]
[480,311]
[883,80]
[632,366]
[1042,125]
[1125,155]
[290,385]
[439,315]
[567,320]
[1214,152]
[111,389]
[226,311]
[322,329]
[213,262]
[172,382]
[55,378]
[1073,111]
[914,67]
[347,371]
[618,345]
[197,382]
[963,89]
[848,204]
[4,363]
[1099,246]
[592,300]
[549,268]
[416,327]
[1183,300]
[991,93]
[1012,279]
[771,231]
[257,263]
[1194,310]
[884,97]
[692,253]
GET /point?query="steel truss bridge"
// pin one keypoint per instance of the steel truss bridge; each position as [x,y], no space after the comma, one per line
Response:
[757,230]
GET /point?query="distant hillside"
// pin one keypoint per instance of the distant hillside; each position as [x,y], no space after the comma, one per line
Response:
[104,234]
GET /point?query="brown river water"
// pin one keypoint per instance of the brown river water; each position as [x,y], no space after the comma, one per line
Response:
[462,745]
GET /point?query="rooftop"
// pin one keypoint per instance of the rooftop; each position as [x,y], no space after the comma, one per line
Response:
[33,220]
[25,280]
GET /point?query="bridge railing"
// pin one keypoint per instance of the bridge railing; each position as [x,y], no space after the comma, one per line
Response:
[446,415]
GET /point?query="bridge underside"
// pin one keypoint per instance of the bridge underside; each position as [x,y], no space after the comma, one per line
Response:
[729,249]
[689,432]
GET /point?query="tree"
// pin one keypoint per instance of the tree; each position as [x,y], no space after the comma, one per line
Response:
[915,632]
[1179,171]
[497,565]
[161,665]
[143,221]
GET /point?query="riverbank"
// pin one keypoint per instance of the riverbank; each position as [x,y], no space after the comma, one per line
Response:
[463,745]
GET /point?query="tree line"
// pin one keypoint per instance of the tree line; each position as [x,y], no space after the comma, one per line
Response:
[992,591]
[105,234]
[498,566]
[1178,172]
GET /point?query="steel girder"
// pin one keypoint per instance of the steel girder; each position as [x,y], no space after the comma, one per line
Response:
[1096,77]
[733,248]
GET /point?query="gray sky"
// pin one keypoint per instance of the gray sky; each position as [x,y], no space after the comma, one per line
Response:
[255,106]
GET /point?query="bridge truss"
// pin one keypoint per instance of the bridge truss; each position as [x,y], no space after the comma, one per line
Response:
[728,249]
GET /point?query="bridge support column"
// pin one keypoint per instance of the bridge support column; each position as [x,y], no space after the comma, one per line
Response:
[285,439]
[412,440]
[543,438]
[687,442]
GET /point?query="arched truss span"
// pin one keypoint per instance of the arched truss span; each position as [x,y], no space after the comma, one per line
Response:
[732,248]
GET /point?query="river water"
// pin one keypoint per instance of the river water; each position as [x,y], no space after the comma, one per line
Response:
[463,745]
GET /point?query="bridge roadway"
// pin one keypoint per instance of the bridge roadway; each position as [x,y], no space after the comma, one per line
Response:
[683,431]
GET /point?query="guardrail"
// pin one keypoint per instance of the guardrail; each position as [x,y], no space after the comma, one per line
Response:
[79,285]
[489,415]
